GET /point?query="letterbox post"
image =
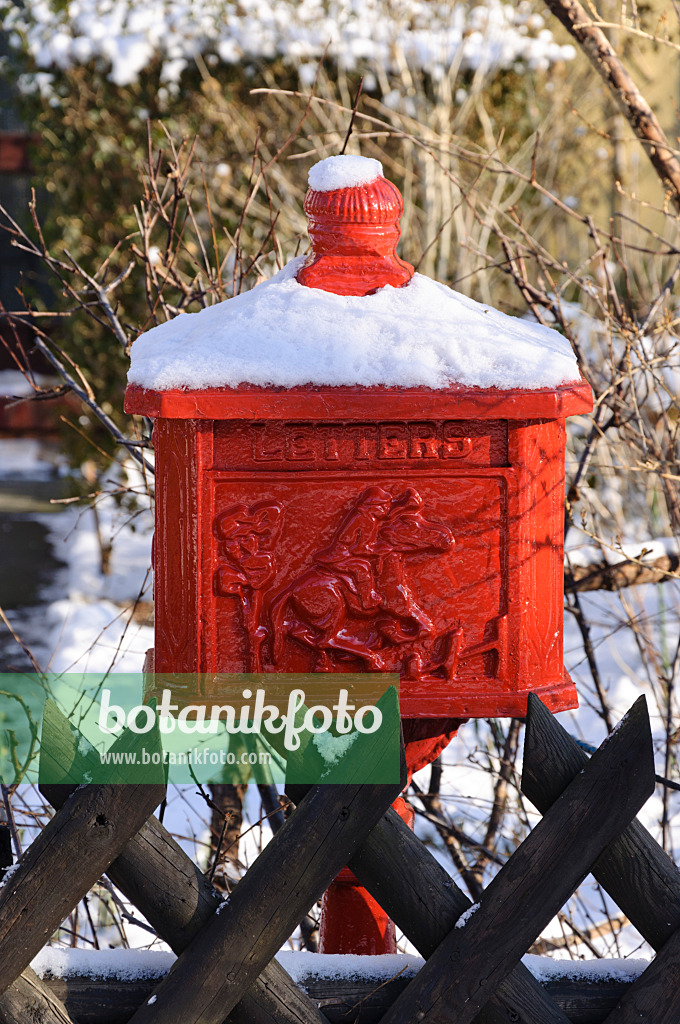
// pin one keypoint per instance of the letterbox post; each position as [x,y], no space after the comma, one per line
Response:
[428,521]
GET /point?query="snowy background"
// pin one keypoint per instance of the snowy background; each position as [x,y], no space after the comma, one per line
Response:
[126,36]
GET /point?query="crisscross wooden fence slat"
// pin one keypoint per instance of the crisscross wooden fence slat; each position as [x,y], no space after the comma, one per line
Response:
[27,1000]
[472,972]
[655,996]
[634,870]
[638,875]
[63,863]
[350,1000]
[290,874]
[176,898]
[156,874]
[537,880]
[109,1000]
[424,902]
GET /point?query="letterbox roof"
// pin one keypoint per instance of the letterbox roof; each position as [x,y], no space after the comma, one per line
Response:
[282,334]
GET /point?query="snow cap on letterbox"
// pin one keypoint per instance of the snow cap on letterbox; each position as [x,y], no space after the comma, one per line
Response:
[353,216]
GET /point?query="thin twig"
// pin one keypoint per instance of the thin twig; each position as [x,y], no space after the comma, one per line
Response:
[355,107]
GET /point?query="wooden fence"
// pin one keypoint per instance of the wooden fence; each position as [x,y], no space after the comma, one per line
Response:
[473,971]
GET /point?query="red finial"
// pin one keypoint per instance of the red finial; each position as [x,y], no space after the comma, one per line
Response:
[354,227]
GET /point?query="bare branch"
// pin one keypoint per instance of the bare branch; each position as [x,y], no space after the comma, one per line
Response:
[605,576]
[634,106]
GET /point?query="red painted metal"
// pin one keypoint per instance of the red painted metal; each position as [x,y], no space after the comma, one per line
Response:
[351,920]
[313,403]
[482,624]
[354,233]
[366,529]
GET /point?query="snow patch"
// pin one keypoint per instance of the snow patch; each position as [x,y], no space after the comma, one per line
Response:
[466,915]
[28,458]
[544,969]
[136,964]
[641,551]
[128,35]
[424,334]
[304,967]
[333,748]
[125,964]
[85,748]
[9,871]
[88,629]
[14,384]
[343,172]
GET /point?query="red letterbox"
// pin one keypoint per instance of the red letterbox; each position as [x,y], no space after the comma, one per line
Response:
[340,527]
[257,492]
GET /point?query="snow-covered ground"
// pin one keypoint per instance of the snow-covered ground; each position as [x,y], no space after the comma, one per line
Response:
[90,628]
[85,623]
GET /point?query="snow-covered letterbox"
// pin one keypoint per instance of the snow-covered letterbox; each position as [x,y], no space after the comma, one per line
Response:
[359,469]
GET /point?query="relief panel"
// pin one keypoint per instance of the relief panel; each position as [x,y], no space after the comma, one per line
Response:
[360,574]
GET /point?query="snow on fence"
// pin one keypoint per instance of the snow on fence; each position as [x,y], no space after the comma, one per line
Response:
[226,965]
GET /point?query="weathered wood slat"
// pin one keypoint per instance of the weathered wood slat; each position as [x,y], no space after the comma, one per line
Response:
[274,998]
[344,1000]
[177,899]
[63,863]
[29,1001]
[288,876]
[62,758]
[463,973]
[588,1002]
[425,903]
[101,1000]
[420,896]
[162,881]
[279,888]
[347,1000]
[61,753]
[655,996]
[519,997]
[409,883]
[634,870]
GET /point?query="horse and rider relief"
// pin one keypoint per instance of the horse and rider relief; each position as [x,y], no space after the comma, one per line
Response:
[361,599]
